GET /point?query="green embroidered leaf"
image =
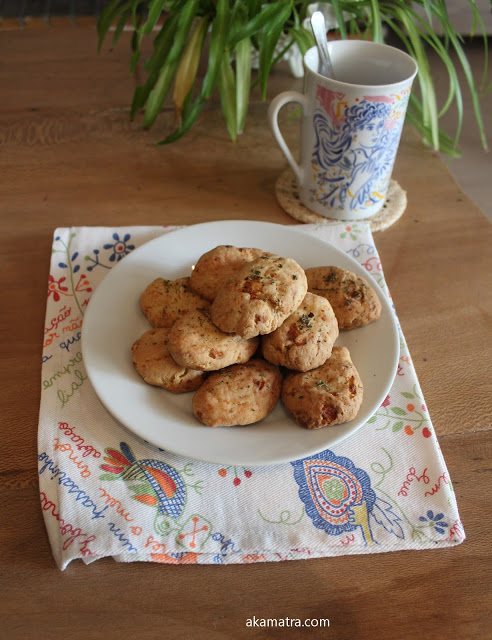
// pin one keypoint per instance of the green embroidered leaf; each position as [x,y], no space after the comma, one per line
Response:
[398,411]
[108,476]
[373,419]
[397,426]
[333,489]
[407,395]
[142,489]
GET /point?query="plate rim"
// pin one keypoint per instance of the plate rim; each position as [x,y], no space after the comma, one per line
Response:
[224,225]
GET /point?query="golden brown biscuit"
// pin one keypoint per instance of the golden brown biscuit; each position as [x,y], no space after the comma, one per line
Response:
[328,395]
[164,301]
[194,341]
[305,339]
[217,265]
[155,364]
[259,297]
[354,301]
[238,395]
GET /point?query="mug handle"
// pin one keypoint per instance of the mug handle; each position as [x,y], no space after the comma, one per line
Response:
[276,104]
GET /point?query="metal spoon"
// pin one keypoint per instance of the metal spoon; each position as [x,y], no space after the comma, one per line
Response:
[319,29]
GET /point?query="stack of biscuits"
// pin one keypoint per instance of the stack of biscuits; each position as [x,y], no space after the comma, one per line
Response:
[247,328]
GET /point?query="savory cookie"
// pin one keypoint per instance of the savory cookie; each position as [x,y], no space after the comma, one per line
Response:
[164,301]
[328,395]
[155,364]
[238,395]
[305,340]
[217,265]
[259,297]
[194,341]
[354,301]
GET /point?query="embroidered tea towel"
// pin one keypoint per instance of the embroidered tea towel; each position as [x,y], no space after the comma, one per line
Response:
[106,492]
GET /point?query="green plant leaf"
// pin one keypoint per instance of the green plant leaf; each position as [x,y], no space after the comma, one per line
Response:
[376,25]
[254,7]
[218,39]
[243,81]
[243,65]
[340,17]
[424,78]
[262,22]
[455,39]
[134,60]
[159,92]
[188,65]
[445,147]
[227,92]
[268,41]
[398,426]
[137,18]
[420,117]
[121,25]
[156,8]
[454,91]
[190,114]
[478,20]
[264,19]
[162,46]
[303,38]
[109,15]
[295,14]
[427,4]
[471,84]
[407,395]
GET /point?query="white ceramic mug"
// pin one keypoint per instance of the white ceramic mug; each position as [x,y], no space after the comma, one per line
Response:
[351,127]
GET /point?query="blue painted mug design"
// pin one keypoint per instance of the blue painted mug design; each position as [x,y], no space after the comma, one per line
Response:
[355,148]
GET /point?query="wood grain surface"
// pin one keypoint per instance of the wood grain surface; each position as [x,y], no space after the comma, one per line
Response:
[70,156]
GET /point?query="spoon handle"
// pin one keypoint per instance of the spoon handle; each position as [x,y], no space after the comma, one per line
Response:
[319,30]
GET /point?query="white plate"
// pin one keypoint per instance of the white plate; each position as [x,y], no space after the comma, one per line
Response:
[113,321]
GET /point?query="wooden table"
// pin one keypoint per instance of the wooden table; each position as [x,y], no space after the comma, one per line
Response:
[70,156]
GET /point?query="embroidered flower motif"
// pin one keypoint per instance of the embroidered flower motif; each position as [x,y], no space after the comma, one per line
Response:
[351,230]
[337,495]
[120,247]
[386,401]
[56,287]
[83,284]
[435,522]
[161,485]
[236,480]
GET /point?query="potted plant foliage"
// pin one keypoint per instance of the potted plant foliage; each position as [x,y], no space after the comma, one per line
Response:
[227,34]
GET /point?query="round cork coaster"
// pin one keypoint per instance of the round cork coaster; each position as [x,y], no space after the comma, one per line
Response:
[287,196]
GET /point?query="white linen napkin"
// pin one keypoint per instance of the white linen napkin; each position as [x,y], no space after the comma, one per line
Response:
[106,492]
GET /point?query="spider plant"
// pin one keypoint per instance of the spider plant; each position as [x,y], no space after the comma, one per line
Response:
[179,30]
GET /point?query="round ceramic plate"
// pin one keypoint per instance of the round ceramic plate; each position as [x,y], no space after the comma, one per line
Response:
[113,322]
